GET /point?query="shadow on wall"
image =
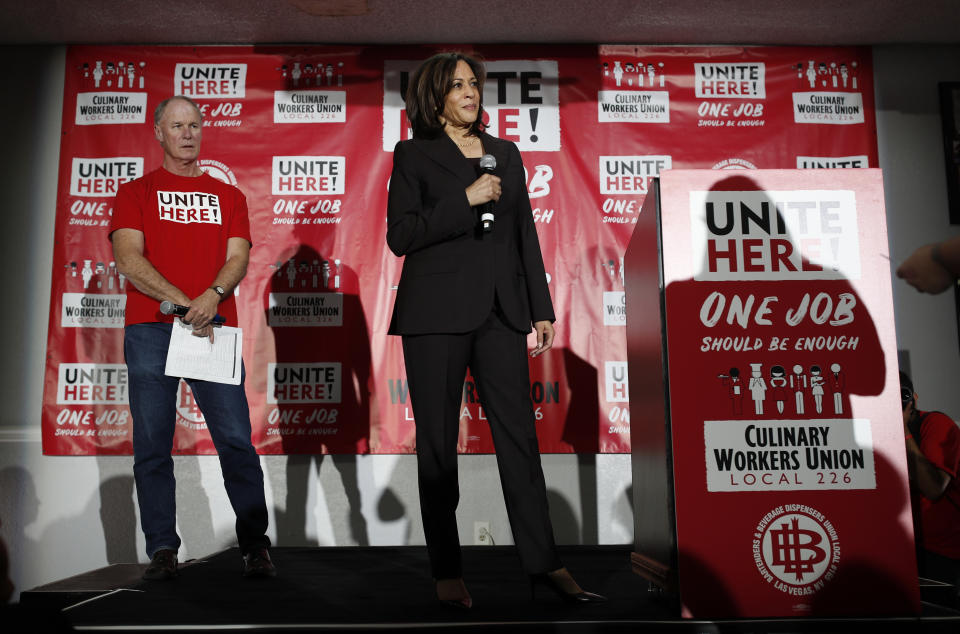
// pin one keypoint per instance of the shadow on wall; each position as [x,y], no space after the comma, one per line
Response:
[19,508]
[119,519]
[403,522]
[291,482]
[314,272]
[581,431]
[395,516]
[118,514]
[566,526]
[194,518]
[43,541]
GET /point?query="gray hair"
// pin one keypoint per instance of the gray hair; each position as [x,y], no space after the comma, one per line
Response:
[158,113]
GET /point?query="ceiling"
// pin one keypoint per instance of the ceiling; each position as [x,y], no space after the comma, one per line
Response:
[781,22]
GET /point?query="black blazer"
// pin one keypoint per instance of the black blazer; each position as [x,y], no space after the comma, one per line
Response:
[452,269]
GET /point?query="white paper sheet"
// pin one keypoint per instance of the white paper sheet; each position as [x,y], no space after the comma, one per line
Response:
[192,357]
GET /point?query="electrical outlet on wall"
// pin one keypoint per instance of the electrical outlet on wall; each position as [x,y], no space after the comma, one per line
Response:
[481,534]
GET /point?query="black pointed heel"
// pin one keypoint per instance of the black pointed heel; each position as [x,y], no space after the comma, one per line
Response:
[462,603]
[458,604]
[574,598]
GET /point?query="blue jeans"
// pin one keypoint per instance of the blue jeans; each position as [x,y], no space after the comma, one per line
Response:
[153,401]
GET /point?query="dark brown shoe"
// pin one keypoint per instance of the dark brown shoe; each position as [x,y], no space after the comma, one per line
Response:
[163,566]
[257,564]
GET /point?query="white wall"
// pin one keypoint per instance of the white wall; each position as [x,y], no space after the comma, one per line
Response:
[911,155]
[65,515]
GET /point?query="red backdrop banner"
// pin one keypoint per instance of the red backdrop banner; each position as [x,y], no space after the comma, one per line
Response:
[308,132]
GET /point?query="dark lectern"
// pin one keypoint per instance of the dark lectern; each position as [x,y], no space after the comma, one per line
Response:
[655,536]
[769,474]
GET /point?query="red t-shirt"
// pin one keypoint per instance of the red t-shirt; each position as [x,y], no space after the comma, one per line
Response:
[940,521]
[186,222]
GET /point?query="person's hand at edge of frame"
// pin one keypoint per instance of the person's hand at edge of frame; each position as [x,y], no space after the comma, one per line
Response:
[923,270]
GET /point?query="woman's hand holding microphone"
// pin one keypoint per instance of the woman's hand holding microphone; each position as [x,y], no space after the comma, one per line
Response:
[483,190]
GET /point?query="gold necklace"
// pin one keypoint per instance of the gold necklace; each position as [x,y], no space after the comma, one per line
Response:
[463,146]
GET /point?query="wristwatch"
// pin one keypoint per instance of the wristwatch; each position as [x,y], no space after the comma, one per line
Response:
[219,290]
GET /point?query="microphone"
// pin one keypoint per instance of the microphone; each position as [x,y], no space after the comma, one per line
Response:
[487,163]
[169,308]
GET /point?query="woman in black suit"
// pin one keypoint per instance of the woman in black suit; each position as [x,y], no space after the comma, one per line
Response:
[467,297]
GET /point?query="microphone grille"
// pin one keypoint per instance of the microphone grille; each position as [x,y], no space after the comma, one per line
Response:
[166,307]
[488,162]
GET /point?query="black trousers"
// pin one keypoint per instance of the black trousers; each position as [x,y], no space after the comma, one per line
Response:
[436,368]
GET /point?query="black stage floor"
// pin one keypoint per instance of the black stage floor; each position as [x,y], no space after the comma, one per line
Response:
[389,588]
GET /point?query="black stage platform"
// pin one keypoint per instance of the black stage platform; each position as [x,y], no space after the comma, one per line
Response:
[389,588]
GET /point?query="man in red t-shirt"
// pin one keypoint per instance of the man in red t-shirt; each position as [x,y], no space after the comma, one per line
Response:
[182,236]
[933,459]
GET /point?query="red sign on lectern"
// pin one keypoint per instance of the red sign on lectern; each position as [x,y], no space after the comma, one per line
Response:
[788,454]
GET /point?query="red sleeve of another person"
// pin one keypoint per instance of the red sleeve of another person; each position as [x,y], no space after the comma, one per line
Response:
[940,442]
